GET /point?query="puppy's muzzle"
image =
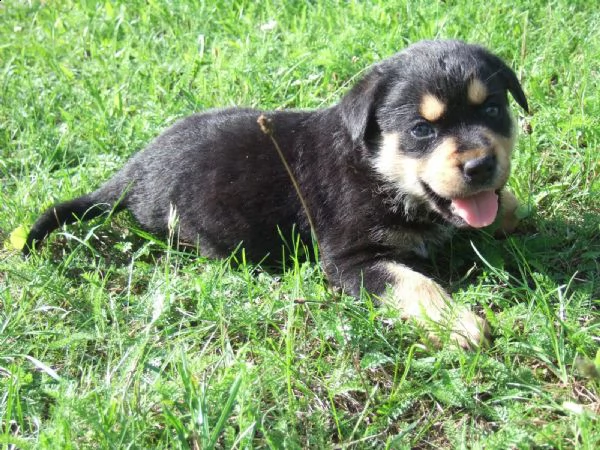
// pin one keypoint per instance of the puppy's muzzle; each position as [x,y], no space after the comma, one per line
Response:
[480,171]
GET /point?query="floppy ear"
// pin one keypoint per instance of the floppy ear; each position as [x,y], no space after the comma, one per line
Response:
[513,84]
[358,105]
[514,87]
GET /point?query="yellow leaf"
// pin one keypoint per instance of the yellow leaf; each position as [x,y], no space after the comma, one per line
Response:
[18,237]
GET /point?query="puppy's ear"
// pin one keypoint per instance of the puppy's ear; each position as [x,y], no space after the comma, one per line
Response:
[512,83]
[514,87]
[358,105]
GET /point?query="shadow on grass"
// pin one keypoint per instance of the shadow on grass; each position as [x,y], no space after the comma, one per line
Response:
[565,252]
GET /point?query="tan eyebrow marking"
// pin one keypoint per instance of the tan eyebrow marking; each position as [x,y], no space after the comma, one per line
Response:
[432,108]
[476,92]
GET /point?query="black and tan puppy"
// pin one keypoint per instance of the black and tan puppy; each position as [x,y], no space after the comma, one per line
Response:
[421,144]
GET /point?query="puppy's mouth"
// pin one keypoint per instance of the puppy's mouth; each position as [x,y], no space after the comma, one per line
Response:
[478,210]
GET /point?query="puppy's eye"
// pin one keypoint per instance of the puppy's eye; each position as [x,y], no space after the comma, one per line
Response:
[491,110]
[423,130]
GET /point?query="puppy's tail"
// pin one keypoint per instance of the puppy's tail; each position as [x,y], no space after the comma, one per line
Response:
[81,208]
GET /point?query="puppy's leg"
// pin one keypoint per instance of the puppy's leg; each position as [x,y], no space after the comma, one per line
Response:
[508,210]
[421,299]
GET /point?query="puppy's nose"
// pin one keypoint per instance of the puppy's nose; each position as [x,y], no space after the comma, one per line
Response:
[480,170]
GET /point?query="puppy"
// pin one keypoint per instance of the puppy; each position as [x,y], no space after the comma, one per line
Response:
[420,145]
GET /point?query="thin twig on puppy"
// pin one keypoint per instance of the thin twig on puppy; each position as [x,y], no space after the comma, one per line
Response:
[266,126]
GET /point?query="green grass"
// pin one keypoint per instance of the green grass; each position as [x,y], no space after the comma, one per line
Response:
[109,339]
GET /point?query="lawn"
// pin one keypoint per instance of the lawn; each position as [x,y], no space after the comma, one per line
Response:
[110,338]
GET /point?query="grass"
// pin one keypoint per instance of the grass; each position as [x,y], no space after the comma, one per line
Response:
[112,339]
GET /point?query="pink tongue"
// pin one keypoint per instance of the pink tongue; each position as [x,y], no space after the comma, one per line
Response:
[478,210]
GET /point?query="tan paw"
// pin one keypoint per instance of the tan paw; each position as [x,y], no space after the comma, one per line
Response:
[509,205]
[470,331]
[421,299]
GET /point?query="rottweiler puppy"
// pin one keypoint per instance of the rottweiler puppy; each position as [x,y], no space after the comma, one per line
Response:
[421,145]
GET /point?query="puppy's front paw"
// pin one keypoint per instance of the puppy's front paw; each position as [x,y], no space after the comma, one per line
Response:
[465,330]
[509,205]
[470,331]
[421,299]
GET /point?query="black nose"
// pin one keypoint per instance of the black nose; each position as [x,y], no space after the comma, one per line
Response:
[480,170]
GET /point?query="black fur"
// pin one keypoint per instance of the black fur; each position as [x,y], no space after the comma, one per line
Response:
[229,186]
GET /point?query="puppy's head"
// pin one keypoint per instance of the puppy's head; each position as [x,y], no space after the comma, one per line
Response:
[435,125]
